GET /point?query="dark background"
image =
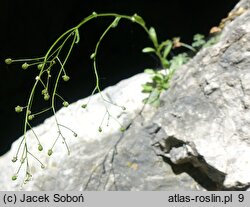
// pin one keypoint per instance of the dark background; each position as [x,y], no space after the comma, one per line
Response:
[28,28]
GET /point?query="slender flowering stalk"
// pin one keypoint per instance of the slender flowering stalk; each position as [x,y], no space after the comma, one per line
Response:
[55,60]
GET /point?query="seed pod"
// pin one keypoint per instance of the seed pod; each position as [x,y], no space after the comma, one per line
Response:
[84,106]
[18,109]
[25,66]
[30,117]
[40,66]
[100,129]
[8,61]
[65,78]
[50,152]
[14,159]
[40,147]
[46,97]
[122,129]
[65,104]
[14,177]
[44,91]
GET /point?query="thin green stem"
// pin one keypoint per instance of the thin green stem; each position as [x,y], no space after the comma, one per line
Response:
[43,111]
[188,46]
[34,132]
[35,158]
[60,97]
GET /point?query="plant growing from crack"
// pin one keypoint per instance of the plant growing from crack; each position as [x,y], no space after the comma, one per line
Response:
[160,78]
[53,65]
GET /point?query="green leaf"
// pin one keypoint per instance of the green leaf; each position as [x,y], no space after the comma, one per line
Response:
[178,60]
[149,71]
[148,49]
[156,103]
[92,56]
[198,37]
[198,40]
[138,19]
[94,14]
[159,76]
[147,88]
[165,63]
[165,85]
[115,22]
[77,36]
[154,96]
[153,36]
[167,49]
[145,100]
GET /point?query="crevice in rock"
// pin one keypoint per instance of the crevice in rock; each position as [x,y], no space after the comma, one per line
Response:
[183,157]
[202,178]
[195,172]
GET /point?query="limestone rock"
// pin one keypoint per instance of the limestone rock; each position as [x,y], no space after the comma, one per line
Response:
[208,106]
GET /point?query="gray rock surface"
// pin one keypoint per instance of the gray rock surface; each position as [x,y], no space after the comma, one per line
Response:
[206,113]
[198,139]
[110,160]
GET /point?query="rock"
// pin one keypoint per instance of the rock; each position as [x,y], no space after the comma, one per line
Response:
[198,139]
[110,160]
[208,106]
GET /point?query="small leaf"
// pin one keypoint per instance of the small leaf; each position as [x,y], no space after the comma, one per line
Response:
[77,36]
[156,103]
[165,63]
[167,49]
[159,76]
[154,96]
[115,22]
[148,49]
[198,40]
[145,100]
[147,88]
[153,36]
[198,37]
[165,85]
[157,80]
[149,71]
[94,14]
[92,56]
[138,19]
